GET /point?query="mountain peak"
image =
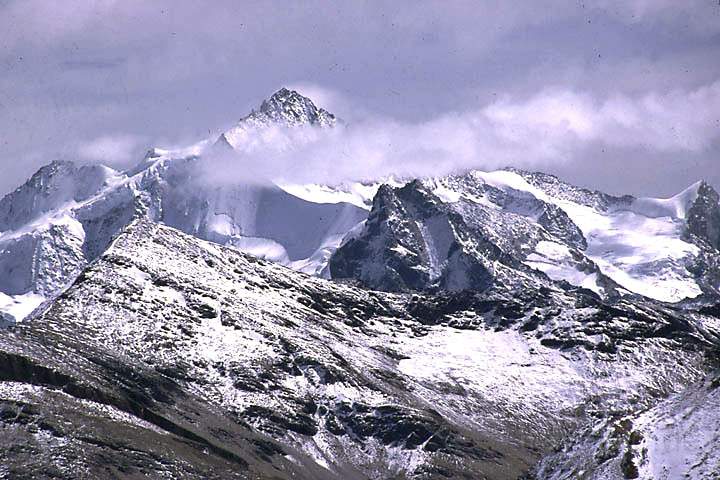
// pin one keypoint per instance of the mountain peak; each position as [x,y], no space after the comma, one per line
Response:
[703,216]
[704,188]
[286,108]
[290,107]
[50,187]
[285,95]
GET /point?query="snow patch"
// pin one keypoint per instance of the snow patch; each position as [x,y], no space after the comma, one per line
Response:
[674,207]
[358,194]
[445,194]
[400,250]
[644,255]
[504,179]
[262,248]
[20,306]
[556,261]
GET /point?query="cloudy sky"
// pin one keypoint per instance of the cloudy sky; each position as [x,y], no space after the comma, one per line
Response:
[617,95]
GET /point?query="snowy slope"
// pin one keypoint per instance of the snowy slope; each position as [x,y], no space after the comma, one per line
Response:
[676,438]
[639,243]
[178,336]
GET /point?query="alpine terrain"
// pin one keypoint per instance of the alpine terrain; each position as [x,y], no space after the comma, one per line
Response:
[482,325]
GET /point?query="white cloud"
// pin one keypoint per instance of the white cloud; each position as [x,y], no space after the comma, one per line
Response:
[119,149]
[550,128]
[672,121]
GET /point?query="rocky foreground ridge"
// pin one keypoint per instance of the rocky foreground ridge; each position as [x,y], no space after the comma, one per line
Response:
[172,356]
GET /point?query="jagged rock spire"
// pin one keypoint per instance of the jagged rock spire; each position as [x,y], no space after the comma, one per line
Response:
[703,218]
[286,108]
[290,107]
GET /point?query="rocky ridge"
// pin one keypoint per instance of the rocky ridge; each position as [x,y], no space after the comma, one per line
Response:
[521,228]
[168,346]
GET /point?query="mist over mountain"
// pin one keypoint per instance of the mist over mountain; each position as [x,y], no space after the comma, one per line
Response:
[548,131]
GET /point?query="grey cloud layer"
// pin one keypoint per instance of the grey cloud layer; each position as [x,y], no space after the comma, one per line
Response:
[101,81]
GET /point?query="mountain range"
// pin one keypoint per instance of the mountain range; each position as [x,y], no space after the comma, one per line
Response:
[499,325]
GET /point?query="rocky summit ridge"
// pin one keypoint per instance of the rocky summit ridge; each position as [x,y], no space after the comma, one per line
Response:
[285,108]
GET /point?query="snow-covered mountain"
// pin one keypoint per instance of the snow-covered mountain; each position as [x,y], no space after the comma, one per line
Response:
[175,357]
[65,216]
[463,231]
[497,325]
[475,229]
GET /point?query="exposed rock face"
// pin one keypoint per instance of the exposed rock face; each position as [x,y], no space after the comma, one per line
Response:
[472,230]
[172,356]
[703,218]
[456,233]
[285,108]
[411,241]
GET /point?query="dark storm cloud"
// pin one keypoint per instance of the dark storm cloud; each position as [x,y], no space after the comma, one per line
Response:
[587,92]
